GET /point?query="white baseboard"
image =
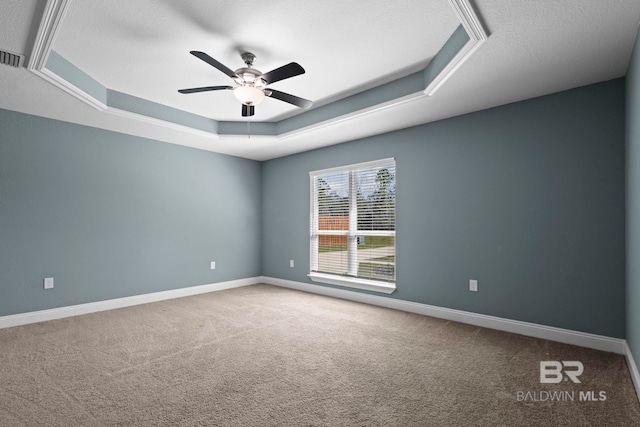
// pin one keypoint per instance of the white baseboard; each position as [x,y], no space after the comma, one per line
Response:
[633,369]
[93,307]
[582,339]
[598,342]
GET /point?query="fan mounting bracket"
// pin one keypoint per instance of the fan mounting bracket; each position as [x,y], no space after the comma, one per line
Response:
[248,58]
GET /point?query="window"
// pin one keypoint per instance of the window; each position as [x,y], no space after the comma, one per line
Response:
[353,226]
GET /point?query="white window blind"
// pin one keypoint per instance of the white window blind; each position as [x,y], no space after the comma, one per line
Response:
[353,222]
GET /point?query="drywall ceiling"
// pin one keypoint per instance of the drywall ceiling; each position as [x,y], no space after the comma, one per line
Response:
[120,63]
[142,47]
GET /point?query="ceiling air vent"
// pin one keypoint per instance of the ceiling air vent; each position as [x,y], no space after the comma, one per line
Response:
[11,59]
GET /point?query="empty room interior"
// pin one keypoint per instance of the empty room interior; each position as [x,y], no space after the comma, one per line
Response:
[424,213]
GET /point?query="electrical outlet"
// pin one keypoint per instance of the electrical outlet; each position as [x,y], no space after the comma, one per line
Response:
[213,265]
[48,283]
[291,263]
[473,285]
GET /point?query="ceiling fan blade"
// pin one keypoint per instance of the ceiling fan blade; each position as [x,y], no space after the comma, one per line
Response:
[291,99]
[204,89]
[248,110]
[290,70]
[209,60]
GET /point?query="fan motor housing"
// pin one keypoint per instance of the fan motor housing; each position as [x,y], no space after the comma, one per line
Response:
[250,75]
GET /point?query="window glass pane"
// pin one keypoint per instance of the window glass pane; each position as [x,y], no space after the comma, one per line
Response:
[328,243]
[377,257]
[376,198]
[333,201]
[332,254]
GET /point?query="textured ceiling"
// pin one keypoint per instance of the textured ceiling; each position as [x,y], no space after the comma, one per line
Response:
[141,48]
[17,32]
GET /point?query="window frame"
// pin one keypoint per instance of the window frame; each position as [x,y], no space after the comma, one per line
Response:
[349,280]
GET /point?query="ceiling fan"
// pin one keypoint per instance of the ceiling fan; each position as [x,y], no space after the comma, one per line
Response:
[251,84]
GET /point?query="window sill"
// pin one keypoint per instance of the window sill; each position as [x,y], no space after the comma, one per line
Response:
[353,282]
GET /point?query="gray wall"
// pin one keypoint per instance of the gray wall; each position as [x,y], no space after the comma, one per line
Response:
[633,203]
[110,215]
[528,198]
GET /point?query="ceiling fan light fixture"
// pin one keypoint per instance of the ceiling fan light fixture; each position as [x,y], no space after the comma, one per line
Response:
[248,94]
[251,84]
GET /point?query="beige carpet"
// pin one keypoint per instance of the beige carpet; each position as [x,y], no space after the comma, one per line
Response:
[266,356]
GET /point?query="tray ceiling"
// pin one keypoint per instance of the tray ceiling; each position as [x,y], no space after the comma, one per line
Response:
[142,47]
[120,63]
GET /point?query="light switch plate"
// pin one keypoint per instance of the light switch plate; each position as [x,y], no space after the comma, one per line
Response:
[48,283]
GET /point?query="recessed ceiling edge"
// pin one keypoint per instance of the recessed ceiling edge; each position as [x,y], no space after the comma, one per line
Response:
[56,10]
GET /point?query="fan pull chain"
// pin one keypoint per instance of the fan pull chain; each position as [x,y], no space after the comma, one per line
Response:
[249,127]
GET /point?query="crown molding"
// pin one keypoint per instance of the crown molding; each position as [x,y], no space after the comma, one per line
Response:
[477,36]
[353,115]
[50,24]
[159,122]
[72,90]
[469,19]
